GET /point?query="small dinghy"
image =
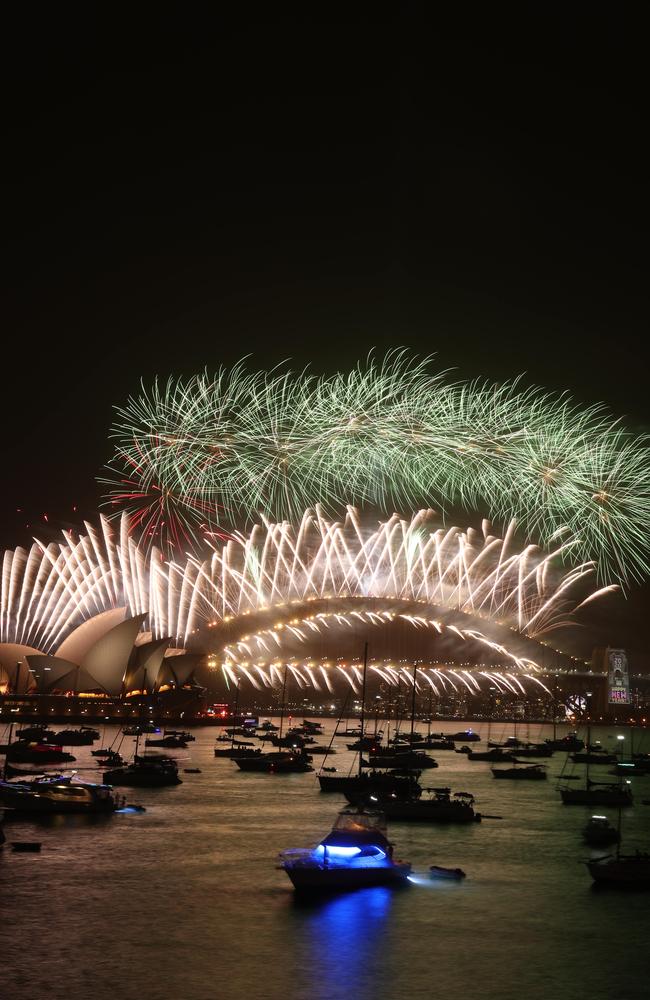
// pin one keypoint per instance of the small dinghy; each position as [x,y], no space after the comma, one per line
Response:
[453,874]
[26,846]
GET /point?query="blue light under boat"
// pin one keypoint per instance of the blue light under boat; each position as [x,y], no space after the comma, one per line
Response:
[371,852]
[338,852]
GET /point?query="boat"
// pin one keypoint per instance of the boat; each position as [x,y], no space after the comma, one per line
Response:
[312,727]
[318,749]
[599,832]
[641,767]
[570,742]
[141,728]
[57,794]
[593,757]
[534,750]
[439,806]
[467,736]
[598,793]
[82,737]
[113,759]
[37,733]
[181,733]
[367,743]
[359,787]
[435,743]
[238,750]
[37,753]
[533,772]
[402,740]
[415,759]
[145,772]
[622,869]
[453,874]
[291,741]
[355,854]
[277,762]
[169,742]
[510,743]
[496,755]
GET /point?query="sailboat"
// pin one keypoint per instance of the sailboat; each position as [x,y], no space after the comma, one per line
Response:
[404,753]
[438,806]
[237,748]
[363,785]
[597,793]
[529,772]
[630,870]
[146,770]
[289,761]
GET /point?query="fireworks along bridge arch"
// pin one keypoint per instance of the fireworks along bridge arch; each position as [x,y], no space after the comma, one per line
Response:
[264,597]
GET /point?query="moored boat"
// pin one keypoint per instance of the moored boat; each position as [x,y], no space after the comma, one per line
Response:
[437,807]
[534,772]
[599,832]
[358,787]
[451,874]
[38,753]
[631,870]
[496,755]
[85,736]
[405,759]
[53,795]
[598,793]
[569,742]
[145,772]
[279,762]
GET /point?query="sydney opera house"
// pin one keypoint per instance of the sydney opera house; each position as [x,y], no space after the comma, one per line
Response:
[107,664]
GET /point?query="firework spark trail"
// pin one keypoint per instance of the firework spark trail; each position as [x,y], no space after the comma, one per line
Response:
[50,590]
[191,455]
[241,652]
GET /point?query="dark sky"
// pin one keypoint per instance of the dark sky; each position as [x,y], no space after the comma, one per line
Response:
[178,193]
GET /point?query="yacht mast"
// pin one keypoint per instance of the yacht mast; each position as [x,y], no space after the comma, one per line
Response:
[415,670]
[363,702]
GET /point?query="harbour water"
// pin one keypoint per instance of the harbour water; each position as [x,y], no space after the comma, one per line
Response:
[185,900]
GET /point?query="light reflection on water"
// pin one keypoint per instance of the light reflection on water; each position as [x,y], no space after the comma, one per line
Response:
[185,901]
[343,939]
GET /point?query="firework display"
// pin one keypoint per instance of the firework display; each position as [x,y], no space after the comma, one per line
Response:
[47,591]
[198,456]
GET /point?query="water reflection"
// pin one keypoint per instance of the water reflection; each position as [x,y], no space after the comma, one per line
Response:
[344,938]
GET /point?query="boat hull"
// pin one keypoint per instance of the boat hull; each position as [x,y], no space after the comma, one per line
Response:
[519,774]
[130,778]
[320,879]
[429,812]
[449,874]
[624,872]
[262,765]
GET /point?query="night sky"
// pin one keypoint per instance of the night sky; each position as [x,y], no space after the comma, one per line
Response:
[180,193]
